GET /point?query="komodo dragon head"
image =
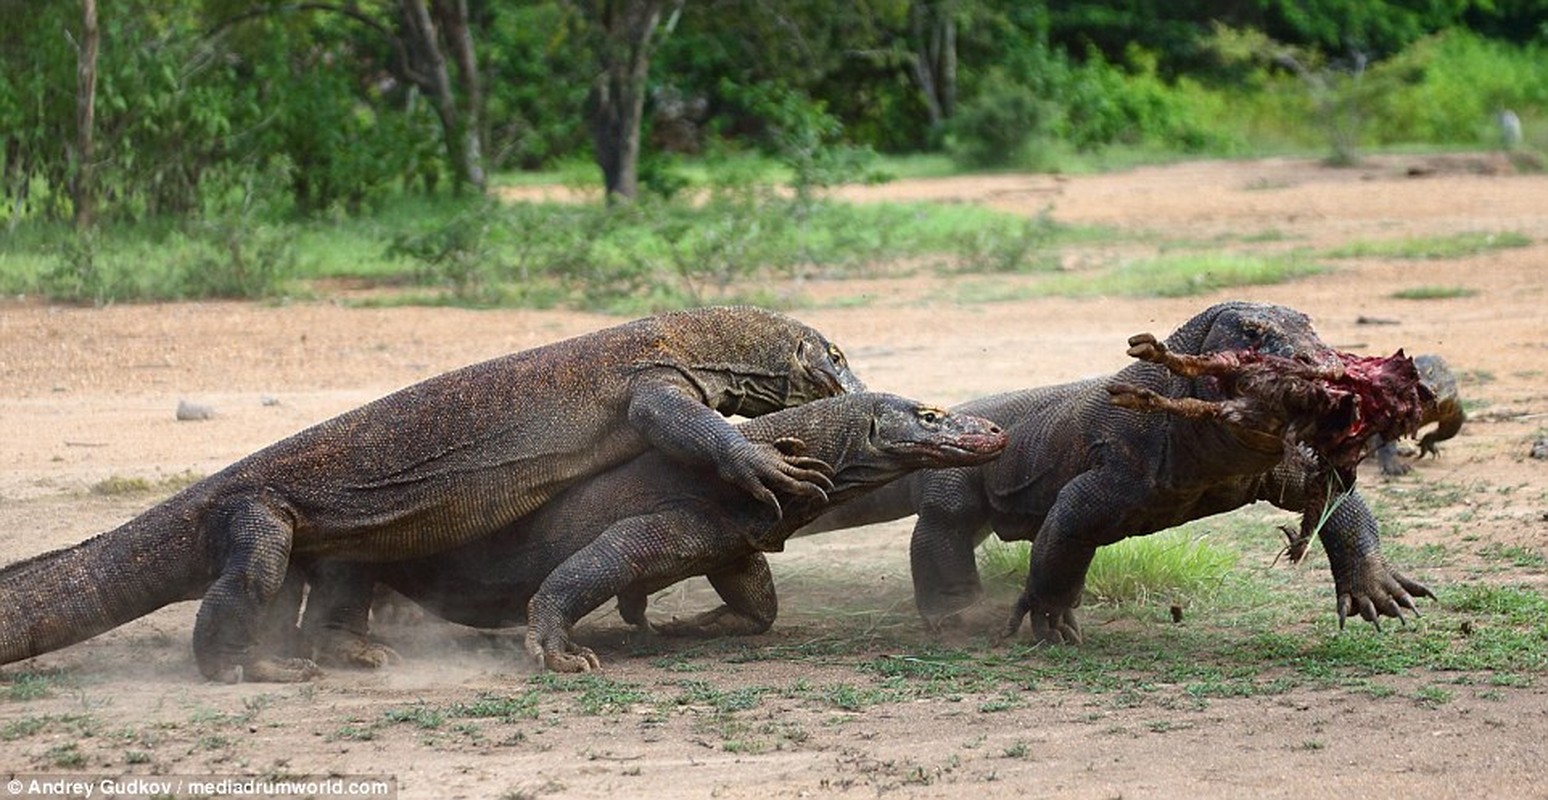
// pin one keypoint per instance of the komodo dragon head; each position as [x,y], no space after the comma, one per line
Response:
[1260,327]
[872,438]
[751,361]
[915,435]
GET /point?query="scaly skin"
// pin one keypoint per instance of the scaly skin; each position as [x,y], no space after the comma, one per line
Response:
[1446,414]
[428,468]
[1081,472]
[652,522]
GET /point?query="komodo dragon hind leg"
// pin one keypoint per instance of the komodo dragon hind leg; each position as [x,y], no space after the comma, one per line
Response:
[336,622]
[750,606]
[253,566]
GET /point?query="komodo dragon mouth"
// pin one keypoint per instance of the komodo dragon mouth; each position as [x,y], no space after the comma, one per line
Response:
[1334,408]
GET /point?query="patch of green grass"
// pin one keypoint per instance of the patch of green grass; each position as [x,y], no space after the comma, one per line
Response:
[1431,247]
[119,486]
[22,728]
[504,707]
[698,692]
[1184,275]
[1516,605]
[67,755]
[1515,555]
[1176,564]
[720,246]
[419,715]
[1432,293]
[1425,555]
[25,686]
[1433,695]
[595,694]
[355,733]
[1005,701]
[849,697]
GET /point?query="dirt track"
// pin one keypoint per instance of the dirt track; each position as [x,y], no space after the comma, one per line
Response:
[87,395]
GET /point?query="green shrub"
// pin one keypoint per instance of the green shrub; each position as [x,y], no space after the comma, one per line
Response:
[1448,88]
[996,127]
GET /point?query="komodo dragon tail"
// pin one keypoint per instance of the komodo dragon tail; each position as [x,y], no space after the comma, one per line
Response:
[61,597]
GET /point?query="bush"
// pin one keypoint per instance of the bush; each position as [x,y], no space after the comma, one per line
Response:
[997,126]
[1448,88]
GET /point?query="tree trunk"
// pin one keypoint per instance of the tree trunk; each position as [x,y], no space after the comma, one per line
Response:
[454,20]
[934,25]
[434,78]
[84,190]
[617,100]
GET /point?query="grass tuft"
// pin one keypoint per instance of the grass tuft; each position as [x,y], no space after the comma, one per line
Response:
[1172,565]
[1185,275]
[1431,247]
[1432,293]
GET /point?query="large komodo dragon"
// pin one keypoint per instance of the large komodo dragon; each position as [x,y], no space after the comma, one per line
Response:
[429,467]
[1081,472]
[1446,413]
[651,522]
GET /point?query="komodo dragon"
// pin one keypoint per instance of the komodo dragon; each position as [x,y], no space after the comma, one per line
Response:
[429,467]
[1446,413]
[647,524]
[1081,472]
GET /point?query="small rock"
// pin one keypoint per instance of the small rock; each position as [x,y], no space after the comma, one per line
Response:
[1540,448]
[193,412]
[269,400]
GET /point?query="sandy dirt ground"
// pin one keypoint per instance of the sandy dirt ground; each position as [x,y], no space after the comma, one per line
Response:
[88,395]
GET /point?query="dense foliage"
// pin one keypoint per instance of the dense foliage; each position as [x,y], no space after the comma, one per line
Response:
[193,99]
[216,118]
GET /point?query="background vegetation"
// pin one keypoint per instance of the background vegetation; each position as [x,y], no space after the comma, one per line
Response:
[165,151]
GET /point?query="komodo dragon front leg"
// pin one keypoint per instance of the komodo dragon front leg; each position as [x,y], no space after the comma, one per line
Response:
[1364,582]
[620,558]
[1085,516]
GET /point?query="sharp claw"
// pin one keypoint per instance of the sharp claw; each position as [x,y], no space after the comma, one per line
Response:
[1343,610]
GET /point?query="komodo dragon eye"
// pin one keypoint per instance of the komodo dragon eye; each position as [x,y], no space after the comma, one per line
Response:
[836,355]
[929,416]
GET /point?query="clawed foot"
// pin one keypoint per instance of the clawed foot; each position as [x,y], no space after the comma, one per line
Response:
[723,621]
[557,653]
[338,648]
[944,607]
[770,471]
[1379,591]
[270,670]
[1049,625]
